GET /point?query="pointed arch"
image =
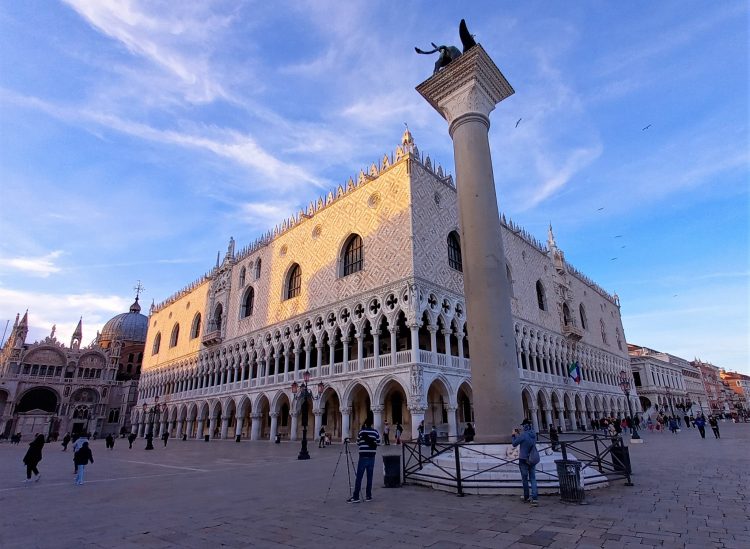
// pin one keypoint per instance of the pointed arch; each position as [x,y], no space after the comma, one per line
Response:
[293,282]
[174,338]
[352,255]
[247,303]
[157,344]
[455,260]
[195,327]
[541,296]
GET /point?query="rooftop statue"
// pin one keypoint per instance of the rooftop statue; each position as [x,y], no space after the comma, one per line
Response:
[449,53]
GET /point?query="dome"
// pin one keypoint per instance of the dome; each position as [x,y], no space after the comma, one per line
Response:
[131,326]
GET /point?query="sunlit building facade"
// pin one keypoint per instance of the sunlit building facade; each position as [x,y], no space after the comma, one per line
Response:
[363,290]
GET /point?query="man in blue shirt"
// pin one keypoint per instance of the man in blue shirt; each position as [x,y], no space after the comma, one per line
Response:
[367,440]
[526,440]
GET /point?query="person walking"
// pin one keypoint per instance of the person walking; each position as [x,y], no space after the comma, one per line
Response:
[527,442]
[420,432]
[433,441]
[554,437]
[77,445]
[131,440]
[673,425]
[399,432]
[110,442]
[82,458]
[700,423]
[65,442]
[469,433]
[386,434]
[714,423]
[165,438]
[322,437]
[33,457]
[368,439]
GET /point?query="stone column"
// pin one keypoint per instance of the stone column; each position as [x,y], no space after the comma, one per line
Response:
[345,364]
[414,343]
[319,357]
[534,418]
[141,429]
[318,422]
[134,429]
[394,334]
[255,420]
[224,427]
[447,338]
[274,425]
[332,354]
[296,361]
[464,93]
[561,419]
[240,423]
[178,434]
[199,434]
[376,347]
[307,357]
[417,417]
[452,424]
[189,427]
[293,426]
[377,418]
[345,428]
[360,353]
[212,426]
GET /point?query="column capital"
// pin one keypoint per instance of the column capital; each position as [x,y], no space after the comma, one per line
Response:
[377,408]
[256,415]
[469,85]
[274,414]
[346,411]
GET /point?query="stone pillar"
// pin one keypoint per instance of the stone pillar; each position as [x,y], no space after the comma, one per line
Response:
[394,334]
[414,343]
[134,429]
[360,354]
[318,422]
[293,425]
[376,347]
[452,424]
[319,357]
[561,420]
[274,425]
[460,338]
[433,343]
[141,429]
[332,357]
[377,418]
[255,420]
[162,428]
[224,427]
[465,93]
[296,361]
[212,426]
[345,427]
[534,418]
[345,365]
[199,434]
[417,417]
[178,434]
[239,424]
[447,338]
[307,357]
[189,427]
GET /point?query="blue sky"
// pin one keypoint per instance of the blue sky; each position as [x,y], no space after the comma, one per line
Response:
[136,137]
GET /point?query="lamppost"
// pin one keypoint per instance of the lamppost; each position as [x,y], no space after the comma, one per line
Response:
[153,414]
[669,399]
[625,386]
[301,392]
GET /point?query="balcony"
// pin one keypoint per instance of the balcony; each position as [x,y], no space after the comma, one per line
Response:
[572,331]
[212,338]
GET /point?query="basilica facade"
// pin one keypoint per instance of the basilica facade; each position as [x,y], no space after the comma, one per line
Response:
[51,388]
[362,292]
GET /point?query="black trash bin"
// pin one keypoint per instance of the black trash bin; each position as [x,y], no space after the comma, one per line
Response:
[277,440]
[392,471]
[569,475]
[621,459]
[206,438]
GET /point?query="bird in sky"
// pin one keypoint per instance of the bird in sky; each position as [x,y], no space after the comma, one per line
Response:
[675,295]
[647,127]
[623,247]
[519,121]
[618,236]
[613,259]
[600,209]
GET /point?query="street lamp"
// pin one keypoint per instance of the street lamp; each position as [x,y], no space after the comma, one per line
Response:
[302,393]
[153,412]
[669,399]
[625,386]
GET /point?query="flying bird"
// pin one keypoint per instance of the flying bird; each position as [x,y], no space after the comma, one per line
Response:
[675,295]
[622,247]
[647,127]
[618,236]
[519,121]
[600,209]
[613,259]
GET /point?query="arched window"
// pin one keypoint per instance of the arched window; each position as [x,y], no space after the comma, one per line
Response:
[454,251]
[242,277]
[541,297]
[353,255]
[257,269]
[566,314]
[195,329]
[293,282]
[246,308]
[582,314]
[217,320]
[157,344]
[175,335]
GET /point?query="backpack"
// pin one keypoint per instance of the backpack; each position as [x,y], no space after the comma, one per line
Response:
[534,457]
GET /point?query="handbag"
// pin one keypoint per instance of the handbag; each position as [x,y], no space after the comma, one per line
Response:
[534,457]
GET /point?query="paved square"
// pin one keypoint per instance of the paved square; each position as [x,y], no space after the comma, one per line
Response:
[688,493]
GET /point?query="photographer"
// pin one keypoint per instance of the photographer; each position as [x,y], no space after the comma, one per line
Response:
[367,440]
[526,461]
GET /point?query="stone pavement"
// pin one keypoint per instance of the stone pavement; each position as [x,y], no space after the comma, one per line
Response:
[688,492]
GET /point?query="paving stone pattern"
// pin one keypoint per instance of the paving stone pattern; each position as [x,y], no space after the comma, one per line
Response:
[688,492]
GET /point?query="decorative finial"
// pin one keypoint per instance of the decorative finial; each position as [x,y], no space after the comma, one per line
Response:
[138,289]
[52,334]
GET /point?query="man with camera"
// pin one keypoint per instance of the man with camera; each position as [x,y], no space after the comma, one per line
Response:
[528,458]
[367,440]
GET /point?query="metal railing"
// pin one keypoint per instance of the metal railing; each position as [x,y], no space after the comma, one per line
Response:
[606,455]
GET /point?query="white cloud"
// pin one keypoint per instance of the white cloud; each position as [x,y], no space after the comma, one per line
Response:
[263,215]
[46,310]
[41,266]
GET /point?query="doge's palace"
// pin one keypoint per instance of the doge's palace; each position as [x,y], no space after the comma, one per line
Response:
[363,290]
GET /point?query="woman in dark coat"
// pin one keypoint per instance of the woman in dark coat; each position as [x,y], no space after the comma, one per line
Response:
[33,457]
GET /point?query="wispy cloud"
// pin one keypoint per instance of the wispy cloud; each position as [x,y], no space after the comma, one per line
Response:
[41,266]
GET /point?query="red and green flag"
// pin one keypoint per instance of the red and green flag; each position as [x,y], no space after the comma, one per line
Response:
[574,371]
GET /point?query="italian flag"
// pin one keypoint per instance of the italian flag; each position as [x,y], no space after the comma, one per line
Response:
[574,371]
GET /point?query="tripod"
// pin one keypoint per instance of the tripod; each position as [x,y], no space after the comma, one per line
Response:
[349,468]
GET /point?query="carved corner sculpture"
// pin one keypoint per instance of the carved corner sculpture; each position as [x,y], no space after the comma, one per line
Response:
[450,53]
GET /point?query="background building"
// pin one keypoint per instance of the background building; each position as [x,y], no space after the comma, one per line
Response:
[364,291]
[50,388]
